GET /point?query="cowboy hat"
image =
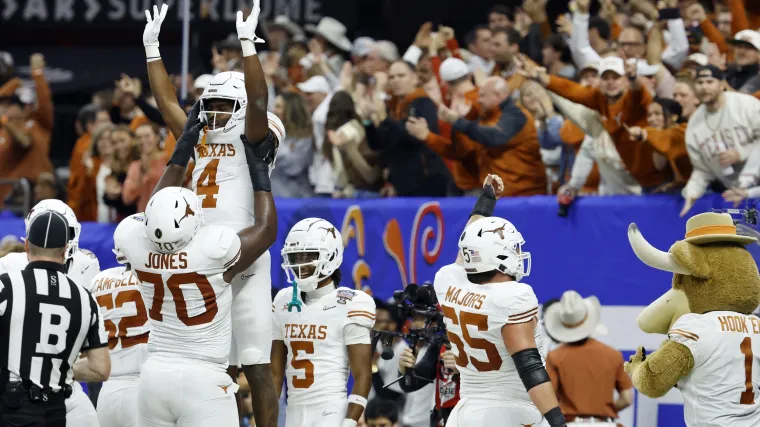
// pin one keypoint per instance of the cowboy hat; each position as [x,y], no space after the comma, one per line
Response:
[573,318]
[333,31]
[284,22]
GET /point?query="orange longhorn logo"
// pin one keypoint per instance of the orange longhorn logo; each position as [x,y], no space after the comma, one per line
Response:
[188,212]
[526,425]
[330,230]
[500,232]
[224,387]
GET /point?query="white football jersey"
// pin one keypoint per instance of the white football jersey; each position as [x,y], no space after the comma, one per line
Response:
[187,299]
[125,316]
[317,368]
[84,266]
[723,388]
[221,178]
[475,315]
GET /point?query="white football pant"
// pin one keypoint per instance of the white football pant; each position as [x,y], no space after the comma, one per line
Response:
[591,423]
[183,393]
[494,413]
[117,402]
[79,409]
[329,414]
[252,314]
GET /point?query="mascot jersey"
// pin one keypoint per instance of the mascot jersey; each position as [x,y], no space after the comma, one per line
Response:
[475,315]
[726,373]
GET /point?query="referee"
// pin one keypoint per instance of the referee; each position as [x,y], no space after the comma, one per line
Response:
[46,320]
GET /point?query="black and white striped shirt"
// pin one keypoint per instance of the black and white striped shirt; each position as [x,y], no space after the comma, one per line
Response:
[45,321]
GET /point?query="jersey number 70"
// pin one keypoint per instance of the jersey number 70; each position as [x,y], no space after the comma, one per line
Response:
[465,319]
[173,283]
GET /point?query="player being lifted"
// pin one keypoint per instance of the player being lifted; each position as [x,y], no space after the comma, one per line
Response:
[81,266]
[328,333]
[491,321]
[126,319]
[185,268]
[233,105]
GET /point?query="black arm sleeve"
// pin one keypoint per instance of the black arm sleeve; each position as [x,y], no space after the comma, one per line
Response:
[426,368]
[530,368]
[150,112]
[510,123]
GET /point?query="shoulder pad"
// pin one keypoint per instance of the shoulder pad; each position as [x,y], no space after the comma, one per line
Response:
[283,296]
[361,307]
[217,241]
[13,260]
[84,257]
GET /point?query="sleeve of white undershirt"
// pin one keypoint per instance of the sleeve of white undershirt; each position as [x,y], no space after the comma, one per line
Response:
[354,333]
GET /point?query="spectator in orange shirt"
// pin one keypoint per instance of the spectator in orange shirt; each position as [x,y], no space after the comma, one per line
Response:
[507,139]
[143,174]
[89,117]
[25,130]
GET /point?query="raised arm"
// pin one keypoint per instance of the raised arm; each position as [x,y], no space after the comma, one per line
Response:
[160,84]
[256,121]
[184,150]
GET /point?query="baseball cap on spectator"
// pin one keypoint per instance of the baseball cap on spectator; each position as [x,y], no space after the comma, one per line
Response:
[593,65]
[612,63]
[362,46]
[748,38]
[386,50]
[453,69]
[231,42]
[202,81]
[709,70]
[49,230]
[316,84]
[695,60]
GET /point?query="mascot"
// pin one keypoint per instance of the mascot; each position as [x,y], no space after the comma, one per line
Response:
[712,353]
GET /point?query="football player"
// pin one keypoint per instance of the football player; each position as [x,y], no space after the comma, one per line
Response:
[491,322]
[126,319]
[232,105]
[185,268]
[321,331]
[81,266]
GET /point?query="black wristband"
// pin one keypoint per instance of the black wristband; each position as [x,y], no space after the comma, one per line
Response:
[486,202]
[555,417]
[670,13]
[260,176]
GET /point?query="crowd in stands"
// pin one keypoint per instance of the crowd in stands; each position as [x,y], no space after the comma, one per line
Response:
[637,98]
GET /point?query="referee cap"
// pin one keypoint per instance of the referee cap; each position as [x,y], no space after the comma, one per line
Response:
[49,230]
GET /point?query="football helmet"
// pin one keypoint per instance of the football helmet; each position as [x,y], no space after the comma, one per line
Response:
[493,243]
[314,247]
[124,231]
[228,85]
[172,218]
[58,206]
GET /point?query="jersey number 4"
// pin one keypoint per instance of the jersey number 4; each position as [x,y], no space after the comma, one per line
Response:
[465,319]
[173,283]
[119,332]
[308,348]
[210,189]
[748,395]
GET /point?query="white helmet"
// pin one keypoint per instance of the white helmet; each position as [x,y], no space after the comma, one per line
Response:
[229,85]
[278,130]
[493,243]
[172,218]
[58,206]
[323,240]
[124,232]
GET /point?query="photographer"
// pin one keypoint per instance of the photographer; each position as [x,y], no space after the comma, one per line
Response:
[431,367]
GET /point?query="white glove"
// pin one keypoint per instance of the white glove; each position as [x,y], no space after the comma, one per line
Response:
[348,423]
[152,29]
[247,29]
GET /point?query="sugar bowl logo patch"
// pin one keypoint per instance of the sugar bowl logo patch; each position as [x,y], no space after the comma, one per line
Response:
[345,295]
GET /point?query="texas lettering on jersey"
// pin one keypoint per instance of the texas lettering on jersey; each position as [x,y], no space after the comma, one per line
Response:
[306,332]
[215,150]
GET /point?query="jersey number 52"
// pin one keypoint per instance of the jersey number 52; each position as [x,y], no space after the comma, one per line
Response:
[119,332]
[173,283]
[465,319]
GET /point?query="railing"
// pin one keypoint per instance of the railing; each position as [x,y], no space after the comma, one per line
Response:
[27,191]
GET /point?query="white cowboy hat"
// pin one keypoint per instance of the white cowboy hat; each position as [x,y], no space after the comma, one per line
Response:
[284,22]
[333,31]
[573,318]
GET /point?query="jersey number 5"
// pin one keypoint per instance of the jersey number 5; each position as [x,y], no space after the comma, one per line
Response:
[210,189]
[116,333]
[748,395]
[308,348]
[493,362]
[173,283]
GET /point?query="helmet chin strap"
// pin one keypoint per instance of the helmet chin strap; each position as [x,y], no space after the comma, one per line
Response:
[294,303]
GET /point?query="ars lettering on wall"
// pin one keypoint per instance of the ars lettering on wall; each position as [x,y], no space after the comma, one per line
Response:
[307,11]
